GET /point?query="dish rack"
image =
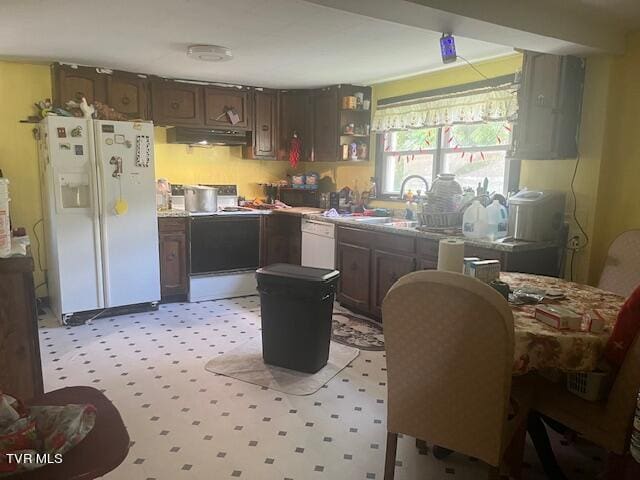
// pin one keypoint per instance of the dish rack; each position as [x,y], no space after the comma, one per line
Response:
[591,386]
[440,220]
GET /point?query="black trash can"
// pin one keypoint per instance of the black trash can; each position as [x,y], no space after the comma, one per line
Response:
[297,305]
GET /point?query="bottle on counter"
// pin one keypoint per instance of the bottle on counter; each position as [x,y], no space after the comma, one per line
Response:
[474,221]
[497,221]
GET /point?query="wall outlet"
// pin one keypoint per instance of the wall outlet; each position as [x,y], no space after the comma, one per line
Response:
[574,242]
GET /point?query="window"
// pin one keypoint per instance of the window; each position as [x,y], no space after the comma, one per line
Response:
[470,151]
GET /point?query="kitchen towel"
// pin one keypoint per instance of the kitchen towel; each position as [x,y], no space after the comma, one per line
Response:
[451,255]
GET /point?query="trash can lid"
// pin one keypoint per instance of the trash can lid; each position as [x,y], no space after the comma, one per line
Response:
[308,274]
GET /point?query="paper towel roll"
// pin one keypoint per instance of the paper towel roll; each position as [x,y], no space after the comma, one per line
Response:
[451,255]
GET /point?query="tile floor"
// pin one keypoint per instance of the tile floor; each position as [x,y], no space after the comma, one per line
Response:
[187,423]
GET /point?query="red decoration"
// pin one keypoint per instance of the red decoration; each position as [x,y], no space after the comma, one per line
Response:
[295,148]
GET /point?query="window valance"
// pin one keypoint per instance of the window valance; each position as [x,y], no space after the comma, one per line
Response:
[488,104]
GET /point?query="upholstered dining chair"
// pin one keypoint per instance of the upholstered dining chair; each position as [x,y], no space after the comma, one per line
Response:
[621,272]
[449,348]
[606,423]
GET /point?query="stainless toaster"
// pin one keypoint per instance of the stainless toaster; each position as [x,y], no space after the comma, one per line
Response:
[536,215]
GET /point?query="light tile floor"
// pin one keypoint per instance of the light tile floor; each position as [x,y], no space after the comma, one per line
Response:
[187,423]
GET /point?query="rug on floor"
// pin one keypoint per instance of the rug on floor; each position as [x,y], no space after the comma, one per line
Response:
[356,330]
[245,363]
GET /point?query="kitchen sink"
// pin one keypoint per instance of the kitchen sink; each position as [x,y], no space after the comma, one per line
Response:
[375,220]
[401,224]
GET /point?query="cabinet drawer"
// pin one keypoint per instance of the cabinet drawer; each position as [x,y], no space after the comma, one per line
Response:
[356,236]
[168,224]
[396,243]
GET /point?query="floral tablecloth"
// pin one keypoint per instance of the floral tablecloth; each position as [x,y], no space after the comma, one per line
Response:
[538,346]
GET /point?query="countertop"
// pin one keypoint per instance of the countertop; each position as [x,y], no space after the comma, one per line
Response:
[315,214]
[297,211]
[514,246]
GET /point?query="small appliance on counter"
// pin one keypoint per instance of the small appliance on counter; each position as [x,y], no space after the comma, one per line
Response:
[536,215]
[226,196]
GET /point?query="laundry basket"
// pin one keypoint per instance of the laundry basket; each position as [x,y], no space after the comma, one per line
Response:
[591,386]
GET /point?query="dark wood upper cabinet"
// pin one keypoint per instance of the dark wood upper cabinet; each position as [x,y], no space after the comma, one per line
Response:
[177,103]
[74,83]
[550,99]
[219,100]
[129,94]
[295,115]
[325,125]
[265,127]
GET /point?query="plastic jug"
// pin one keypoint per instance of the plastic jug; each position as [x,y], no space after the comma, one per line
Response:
[497,220]
[474,221]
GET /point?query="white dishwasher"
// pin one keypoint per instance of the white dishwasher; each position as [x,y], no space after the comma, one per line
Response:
[318,244]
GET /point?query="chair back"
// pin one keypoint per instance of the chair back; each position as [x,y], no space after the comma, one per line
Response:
[621,271]
[449,348]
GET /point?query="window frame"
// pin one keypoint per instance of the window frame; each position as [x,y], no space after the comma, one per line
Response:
[511,174]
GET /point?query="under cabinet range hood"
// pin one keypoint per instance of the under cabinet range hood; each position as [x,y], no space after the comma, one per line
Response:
[205,136]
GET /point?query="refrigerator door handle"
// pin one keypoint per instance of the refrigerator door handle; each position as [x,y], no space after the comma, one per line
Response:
[103,223]
[95,200]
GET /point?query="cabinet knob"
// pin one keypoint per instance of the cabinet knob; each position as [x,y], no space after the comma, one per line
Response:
[125,100]
[174,105]
[171,257]
[265,128]
[540,100]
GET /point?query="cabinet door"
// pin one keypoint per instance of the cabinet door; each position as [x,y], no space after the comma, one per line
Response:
[295,116]
[127,94]
[264,130]
[283,240]
[538,97]
[173,263]
[325,125]
[388,268]
[76,83]
[176,103]
[428,263]
[218,101]
[354,264]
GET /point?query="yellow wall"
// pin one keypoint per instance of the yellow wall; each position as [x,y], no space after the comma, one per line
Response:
[220,165]
[20,86]
[618,206]
[557,174]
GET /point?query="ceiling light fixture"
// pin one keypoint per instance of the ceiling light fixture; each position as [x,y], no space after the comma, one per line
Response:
[209,53]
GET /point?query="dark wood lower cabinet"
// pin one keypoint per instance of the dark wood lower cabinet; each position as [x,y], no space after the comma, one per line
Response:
[281,239]
[355,266]
[20,366]
[174,258]
[388,268]
[371,262]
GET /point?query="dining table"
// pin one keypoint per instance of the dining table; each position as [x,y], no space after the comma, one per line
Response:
[540,347]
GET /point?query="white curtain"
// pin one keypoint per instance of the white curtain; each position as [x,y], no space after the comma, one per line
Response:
[490,104]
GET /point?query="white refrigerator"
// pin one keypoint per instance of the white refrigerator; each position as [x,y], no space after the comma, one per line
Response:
[98,191]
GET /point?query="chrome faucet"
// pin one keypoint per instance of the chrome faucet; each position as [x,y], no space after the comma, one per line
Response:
[404,182]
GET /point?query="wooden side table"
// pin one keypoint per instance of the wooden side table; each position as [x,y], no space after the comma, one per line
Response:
[21,372]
